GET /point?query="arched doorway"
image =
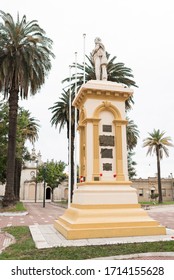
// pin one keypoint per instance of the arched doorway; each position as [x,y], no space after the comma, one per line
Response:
[31,192]
[48,193]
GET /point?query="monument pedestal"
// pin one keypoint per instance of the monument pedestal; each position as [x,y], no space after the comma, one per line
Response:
[106,211]
[104,203]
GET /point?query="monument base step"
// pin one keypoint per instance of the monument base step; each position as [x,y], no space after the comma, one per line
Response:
[103,221]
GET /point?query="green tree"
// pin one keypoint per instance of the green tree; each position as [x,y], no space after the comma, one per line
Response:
[131,165]
[157,144]
[132,134]
[25,54]
[27,129]
[53,174]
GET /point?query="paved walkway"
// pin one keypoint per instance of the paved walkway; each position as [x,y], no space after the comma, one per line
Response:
[40,220]
[36,215]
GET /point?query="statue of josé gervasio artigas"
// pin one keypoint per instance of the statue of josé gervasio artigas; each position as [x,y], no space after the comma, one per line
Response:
[100,60]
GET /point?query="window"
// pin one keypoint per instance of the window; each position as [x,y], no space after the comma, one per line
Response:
[140,192]
[163,192]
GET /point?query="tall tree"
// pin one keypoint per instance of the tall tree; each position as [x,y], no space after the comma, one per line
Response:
[157,144]
[25,60]
[27,129]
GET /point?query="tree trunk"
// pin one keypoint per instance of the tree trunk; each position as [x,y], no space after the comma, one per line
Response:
[9,198]
[17,178]
[160,199]
[52,191]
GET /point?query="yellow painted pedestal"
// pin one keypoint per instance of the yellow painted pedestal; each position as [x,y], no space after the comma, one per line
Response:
[106,210]
[99,221]
[104,204]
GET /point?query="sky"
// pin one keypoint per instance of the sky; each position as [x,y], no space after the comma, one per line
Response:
[139,33]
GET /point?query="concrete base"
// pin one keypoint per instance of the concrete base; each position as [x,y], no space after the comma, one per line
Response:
[105,193]
[46,236]
[98,221]
[101,209]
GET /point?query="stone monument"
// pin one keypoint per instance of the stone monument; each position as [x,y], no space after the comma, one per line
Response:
[100,60]
[104,203]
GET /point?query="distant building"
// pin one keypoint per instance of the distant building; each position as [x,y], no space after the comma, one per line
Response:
[146,187]
[33,191]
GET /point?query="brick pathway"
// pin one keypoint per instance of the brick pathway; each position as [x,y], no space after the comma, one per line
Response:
[36,215]
[164,214]
[39,215]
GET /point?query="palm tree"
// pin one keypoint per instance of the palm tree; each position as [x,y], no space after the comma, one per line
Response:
[25,54]
[132,134]
[60,117]
[157,144]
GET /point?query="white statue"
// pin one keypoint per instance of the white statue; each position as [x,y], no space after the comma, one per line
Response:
[100,60]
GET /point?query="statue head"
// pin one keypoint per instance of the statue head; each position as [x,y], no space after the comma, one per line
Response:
[97,40]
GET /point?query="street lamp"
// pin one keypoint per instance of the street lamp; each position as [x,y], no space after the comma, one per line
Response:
[44,177]
[36,182]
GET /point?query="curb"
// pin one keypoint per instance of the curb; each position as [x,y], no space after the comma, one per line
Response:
[9,214]
[8,240]
[135,256]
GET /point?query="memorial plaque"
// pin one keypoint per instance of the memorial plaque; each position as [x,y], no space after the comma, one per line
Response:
[105,140]
[106,153]
[96,179]
[107,128]
[107,166]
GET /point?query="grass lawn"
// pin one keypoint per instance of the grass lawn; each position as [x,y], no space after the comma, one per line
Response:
[155,203]
[18,207]
[24,249]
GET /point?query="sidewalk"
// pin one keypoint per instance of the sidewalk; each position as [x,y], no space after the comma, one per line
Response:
[40,221]
[46,236]
[5,240]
